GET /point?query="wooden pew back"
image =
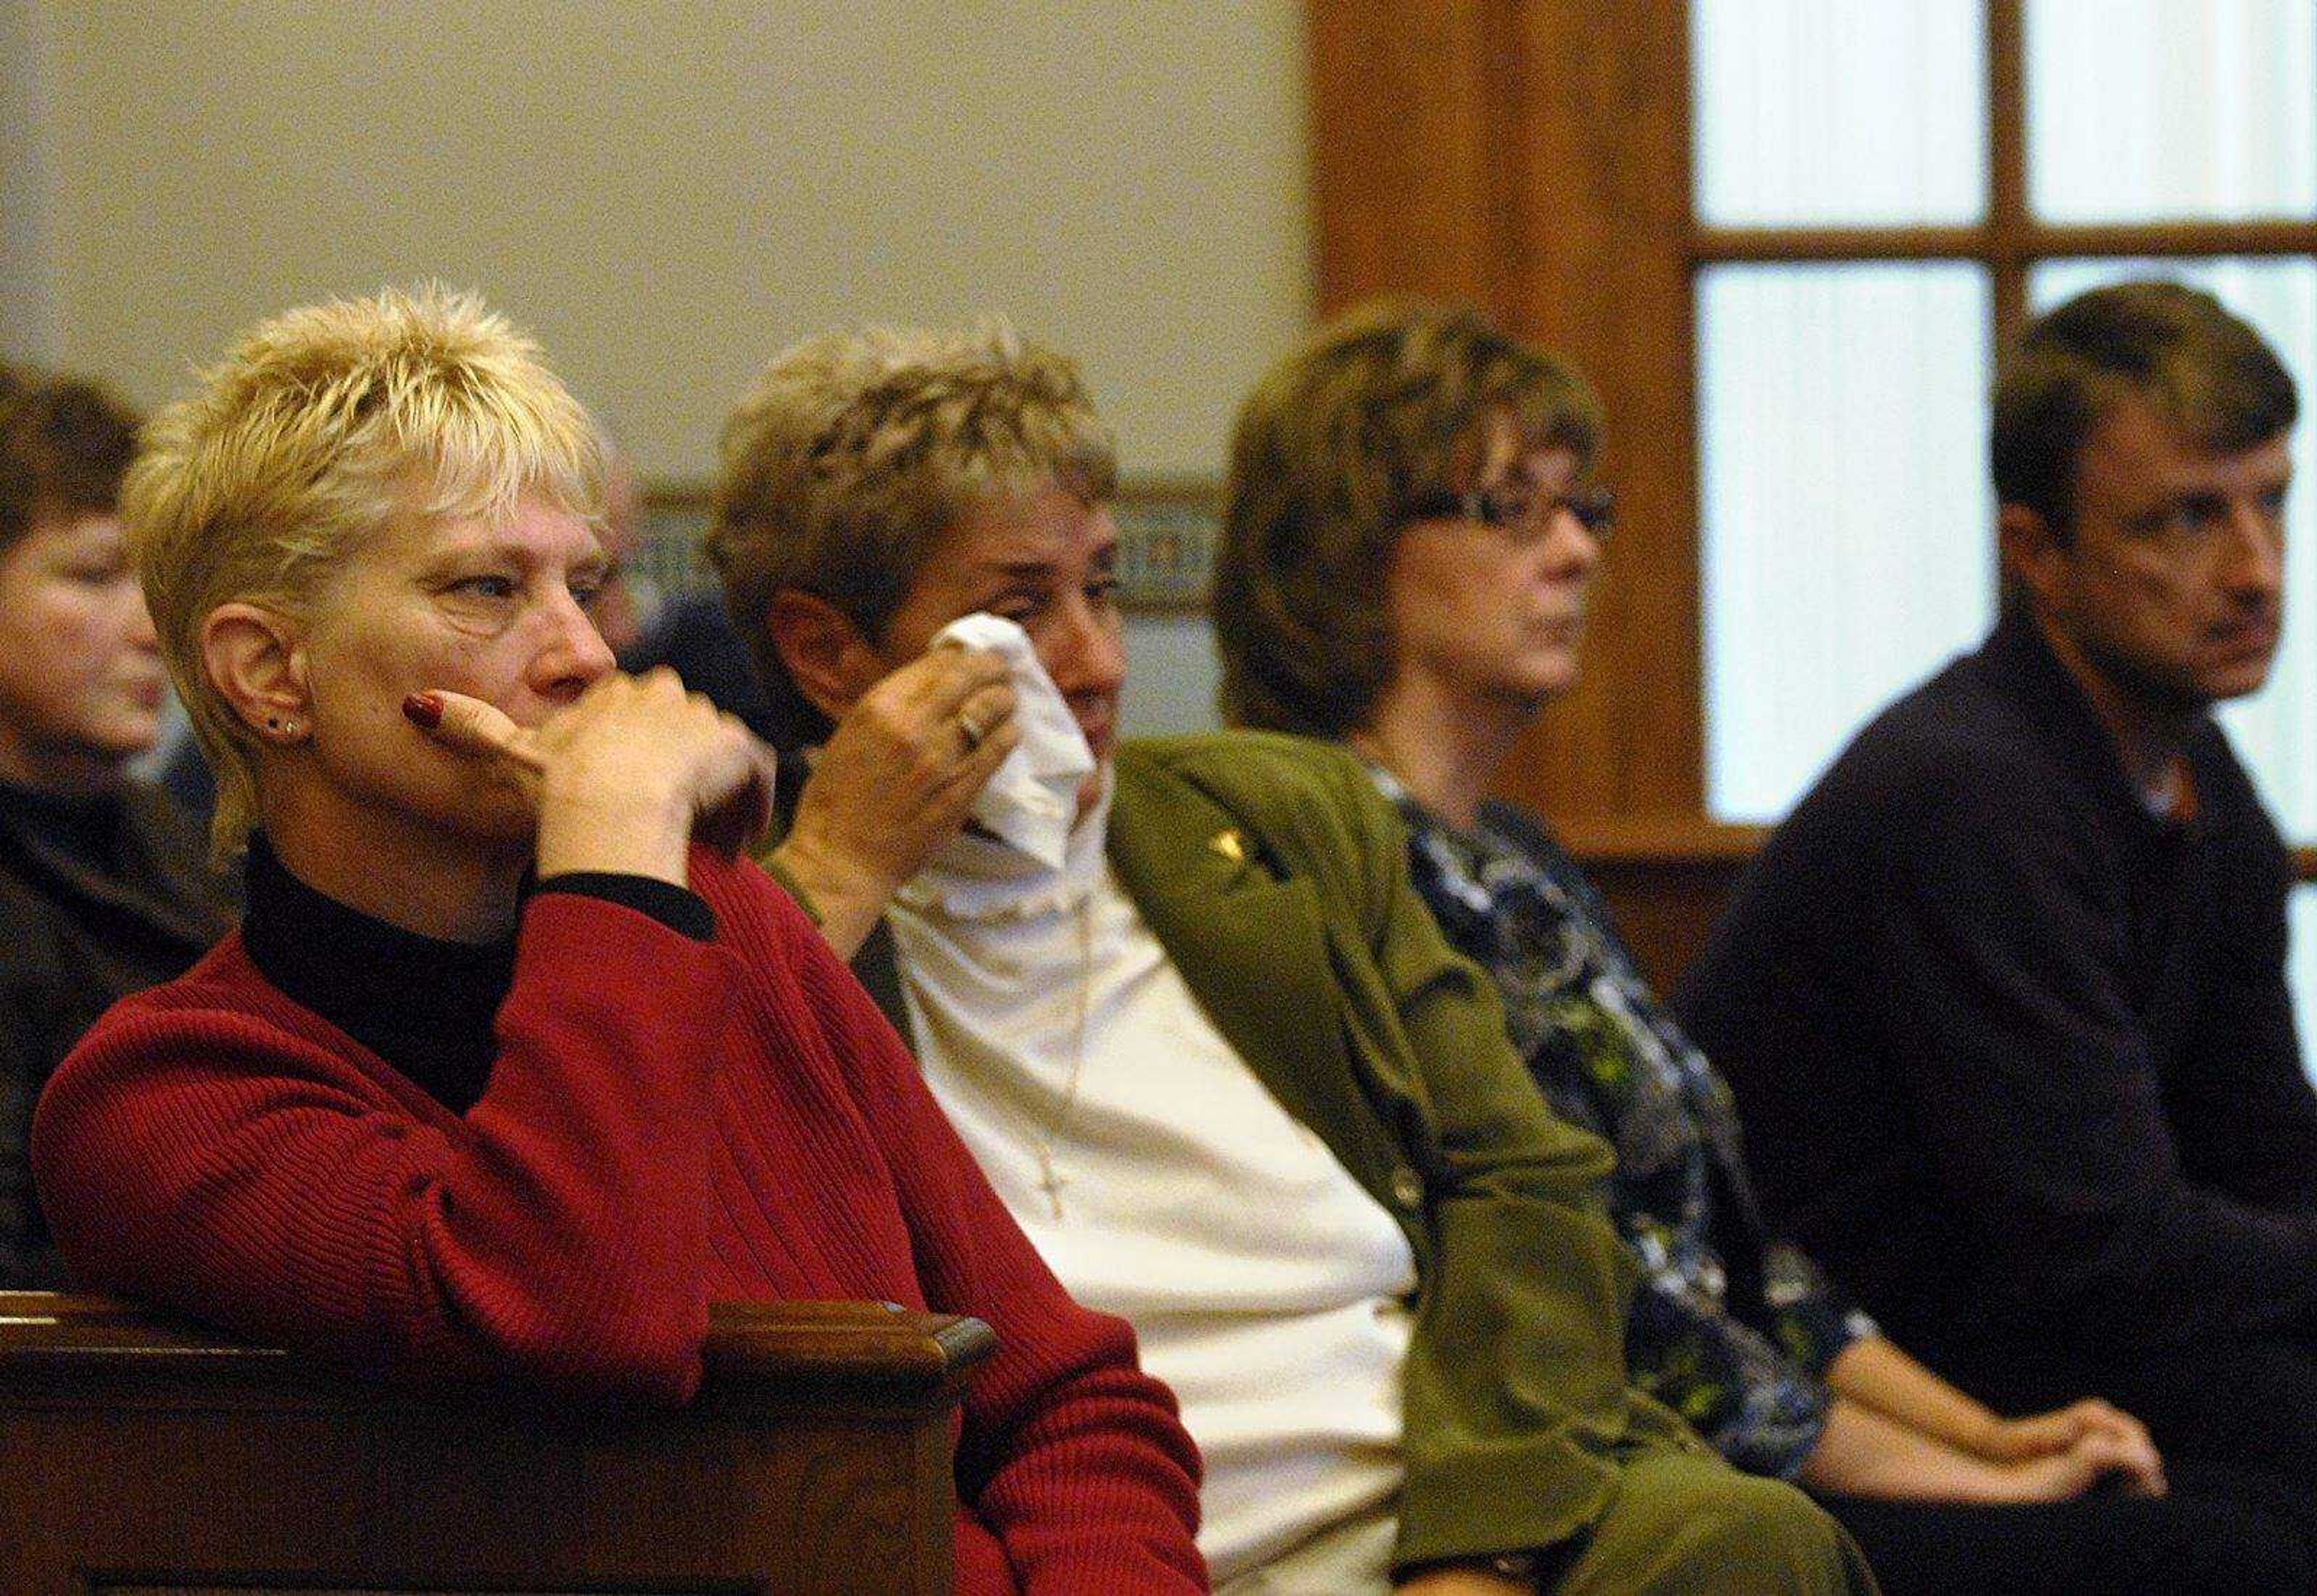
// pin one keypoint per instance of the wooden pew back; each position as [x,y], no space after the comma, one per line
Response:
[140,1457]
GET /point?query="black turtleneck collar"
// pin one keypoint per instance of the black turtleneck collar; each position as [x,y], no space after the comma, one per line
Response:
[427,1007]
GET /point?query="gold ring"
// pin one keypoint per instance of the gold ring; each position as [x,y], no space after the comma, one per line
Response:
[975,731]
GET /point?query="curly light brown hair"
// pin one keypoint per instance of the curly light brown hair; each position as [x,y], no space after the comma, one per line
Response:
[856,451]
[1378,410]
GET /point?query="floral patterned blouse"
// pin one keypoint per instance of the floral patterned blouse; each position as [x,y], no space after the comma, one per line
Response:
[1730,1329]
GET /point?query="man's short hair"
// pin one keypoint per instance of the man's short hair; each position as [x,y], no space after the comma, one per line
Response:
[2204,370]
[65,445]
[856,451]
[1381,409]
[321,428]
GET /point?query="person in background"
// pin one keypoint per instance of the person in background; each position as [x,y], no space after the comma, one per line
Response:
[692,635]
[103,886]
[2004,997]
[1412,526]
[685,630]
[510,1069]
[621,609]
[1206,1043]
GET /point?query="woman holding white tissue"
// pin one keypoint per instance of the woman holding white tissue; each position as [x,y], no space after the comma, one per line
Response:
[1214,1057]
[934,709]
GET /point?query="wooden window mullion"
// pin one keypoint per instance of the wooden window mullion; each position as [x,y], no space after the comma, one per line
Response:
[2010,228]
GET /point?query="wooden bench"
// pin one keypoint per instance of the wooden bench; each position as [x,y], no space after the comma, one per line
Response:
[140,1456]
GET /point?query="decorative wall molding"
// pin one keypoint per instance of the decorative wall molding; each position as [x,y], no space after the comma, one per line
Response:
[1167,540]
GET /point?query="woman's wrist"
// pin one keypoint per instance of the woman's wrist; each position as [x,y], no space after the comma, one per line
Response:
[635,833]
[1981,1435]
[1875,1374]
[678,908]
[847,897]
[1864,1453]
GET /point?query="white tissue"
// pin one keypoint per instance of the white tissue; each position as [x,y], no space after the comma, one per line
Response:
[1032,801]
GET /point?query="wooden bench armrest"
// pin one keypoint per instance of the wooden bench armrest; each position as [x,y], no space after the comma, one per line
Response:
[751,1345]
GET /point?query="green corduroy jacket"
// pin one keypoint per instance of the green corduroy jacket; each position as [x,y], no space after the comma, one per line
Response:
[1276,878]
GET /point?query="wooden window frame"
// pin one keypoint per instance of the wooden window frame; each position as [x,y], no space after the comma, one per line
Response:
[1533,156]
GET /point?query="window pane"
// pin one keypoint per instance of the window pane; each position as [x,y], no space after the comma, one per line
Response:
[2276,729]
[2141,109]
[1847,544]
[1833,112]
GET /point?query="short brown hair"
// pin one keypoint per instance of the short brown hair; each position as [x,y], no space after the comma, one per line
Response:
[856,451]
[2206,372]
[65,445]
[1377,411]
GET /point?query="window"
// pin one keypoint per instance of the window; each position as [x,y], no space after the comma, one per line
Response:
[1882,192]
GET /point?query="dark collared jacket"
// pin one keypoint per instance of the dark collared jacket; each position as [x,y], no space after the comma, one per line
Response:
[2015,1056]
[75,939]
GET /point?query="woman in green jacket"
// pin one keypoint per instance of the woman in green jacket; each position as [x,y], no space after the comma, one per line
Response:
[1202,1036]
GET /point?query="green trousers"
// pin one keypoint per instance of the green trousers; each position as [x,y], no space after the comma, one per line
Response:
[1682,1524]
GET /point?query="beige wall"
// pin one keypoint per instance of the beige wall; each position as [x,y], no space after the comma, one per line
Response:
[28,326]
[666,193]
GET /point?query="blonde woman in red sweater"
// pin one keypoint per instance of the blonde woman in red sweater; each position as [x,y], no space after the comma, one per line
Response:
[505,1076]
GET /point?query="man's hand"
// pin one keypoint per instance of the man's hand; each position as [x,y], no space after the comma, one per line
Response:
[895,784]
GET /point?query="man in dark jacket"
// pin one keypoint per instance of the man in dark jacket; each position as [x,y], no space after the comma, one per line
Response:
[2004,1000]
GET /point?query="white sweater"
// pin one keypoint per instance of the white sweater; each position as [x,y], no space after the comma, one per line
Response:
[1266,1288]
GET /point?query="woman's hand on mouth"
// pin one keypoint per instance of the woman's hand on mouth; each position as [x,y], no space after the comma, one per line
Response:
[622,778]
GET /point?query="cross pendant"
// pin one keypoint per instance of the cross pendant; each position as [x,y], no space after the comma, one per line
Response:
[1051,1181]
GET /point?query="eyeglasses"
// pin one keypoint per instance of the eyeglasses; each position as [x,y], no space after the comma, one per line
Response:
[1521,510]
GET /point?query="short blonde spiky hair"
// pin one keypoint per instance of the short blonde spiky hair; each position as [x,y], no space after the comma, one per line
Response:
[853,452]
[320,428]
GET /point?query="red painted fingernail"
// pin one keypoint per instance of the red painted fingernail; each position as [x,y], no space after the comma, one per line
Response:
[423,709]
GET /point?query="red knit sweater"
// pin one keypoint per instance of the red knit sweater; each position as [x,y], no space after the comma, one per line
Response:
[668,1122]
